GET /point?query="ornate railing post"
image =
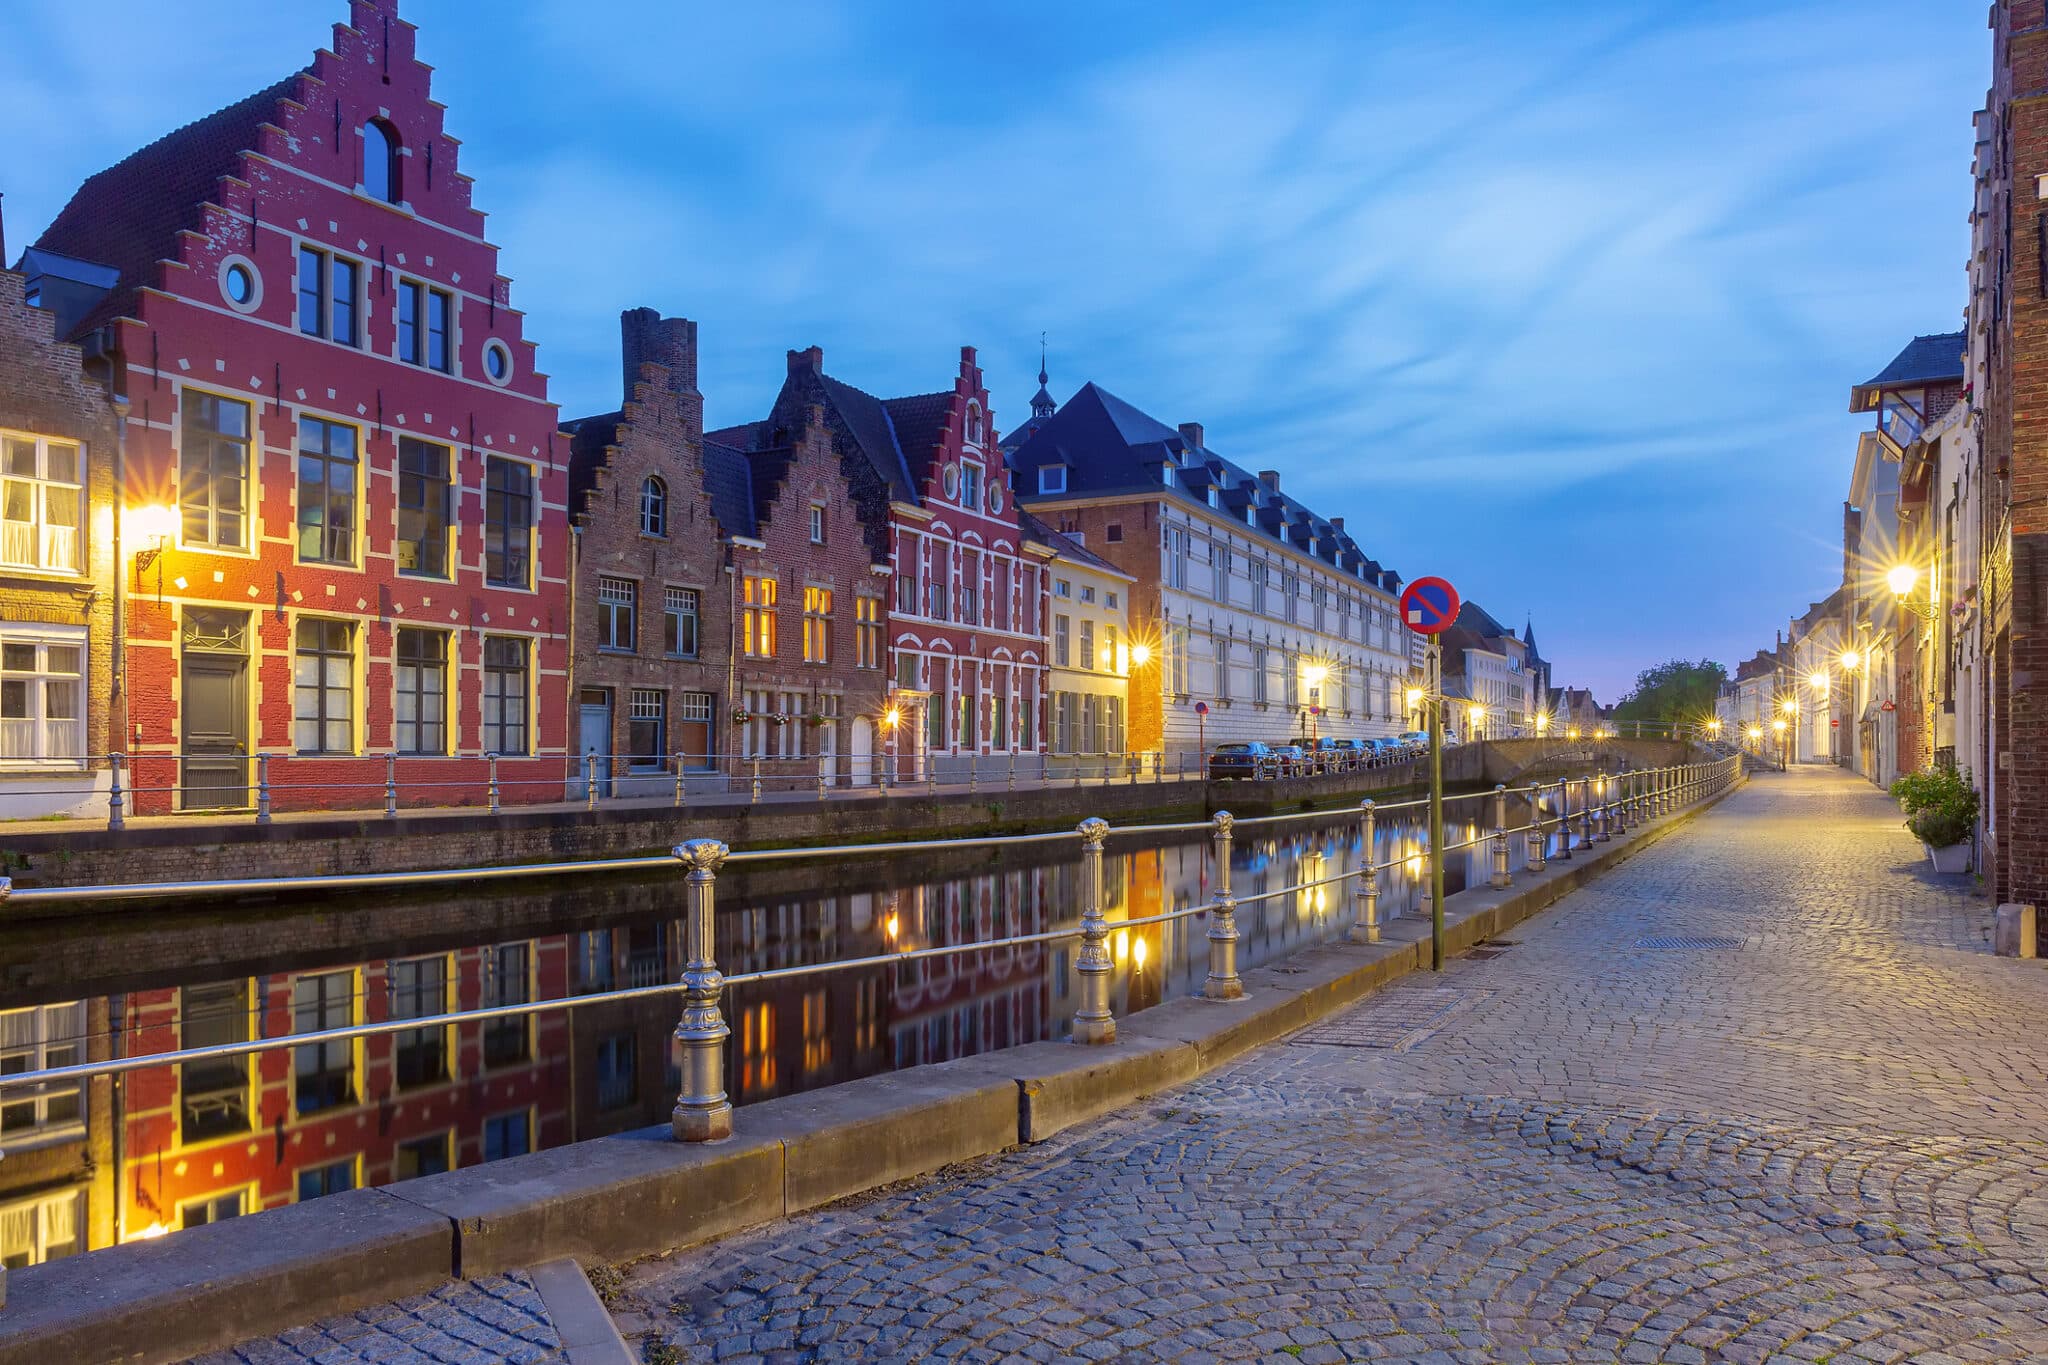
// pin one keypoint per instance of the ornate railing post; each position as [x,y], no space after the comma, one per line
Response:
[116,818]
[590,780]
[1365,924]
[1010,773]
[1502,878]
[680,798]
[1537,842]
[1602,807]
[1586,799]
[1223,982]
[263,789]
[1093,1023]
[702,1112]
[497,801]
[757,778]
[391,786]
[1564,820]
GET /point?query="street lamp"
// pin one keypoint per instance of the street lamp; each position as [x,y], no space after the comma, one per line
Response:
[1902,579]
[1314,674]
[1478,720]
[1851,660]
[1817,680]
[151,527]
[1141,655]
[891,718]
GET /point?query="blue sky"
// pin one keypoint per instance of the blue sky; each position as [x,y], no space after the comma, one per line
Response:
[1560,300]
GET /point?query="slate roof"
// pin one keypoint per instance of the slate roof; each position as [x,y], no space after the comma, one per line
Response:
[128,215]
[920,422]
[1064,545]
[874,431]
[1932,359]
[729,478]
[588,438]
[1110,447]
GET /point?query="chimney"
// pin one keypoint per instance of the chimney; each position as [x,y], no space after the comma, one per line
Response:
[1191,432]
[1270,478]
[648,338]
[812,360]
[1337,524]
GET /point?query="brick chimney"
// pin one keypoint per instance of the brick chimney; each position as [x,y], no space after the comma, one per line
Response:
[812,359]
[1191,432]
[648,338]
[1337,524]
[1270,478]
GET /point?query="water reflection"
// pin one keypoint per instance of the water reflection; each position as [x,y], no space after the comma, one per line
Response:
[172,1147]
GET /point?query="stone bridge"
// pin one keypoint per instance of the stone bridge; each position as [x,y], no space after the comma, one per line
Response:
[1515,761]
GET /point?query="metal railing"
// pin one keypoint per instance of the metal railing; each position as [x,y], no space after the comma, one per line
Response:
[1609,803]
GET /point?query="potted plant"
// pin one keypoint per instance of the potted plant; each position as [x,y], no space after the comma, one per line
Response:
[1941,810]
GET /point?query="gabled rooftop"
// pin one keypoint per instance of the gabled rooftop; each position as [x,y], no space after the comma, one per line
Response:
[1935,359]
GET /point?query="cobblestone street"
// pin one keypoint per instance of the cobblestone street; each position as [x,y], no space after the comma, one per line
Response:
[1759,1094]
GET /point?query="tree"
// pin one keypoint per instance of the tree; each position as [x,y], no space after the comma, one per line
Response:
[1675,690]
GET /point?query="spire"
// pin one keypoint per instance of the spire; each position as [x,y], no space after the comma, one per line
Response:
[1529,634]
[1041,402]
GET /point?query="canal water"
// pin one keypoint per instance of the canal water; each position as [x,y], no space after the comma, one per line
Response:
[170,1147]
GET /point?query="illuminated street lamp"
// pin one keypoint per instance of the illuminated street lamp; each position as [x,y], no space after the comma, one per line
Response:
[1817,680]
[1902,580]
[1478,719]
[1851,660]
[1141,655]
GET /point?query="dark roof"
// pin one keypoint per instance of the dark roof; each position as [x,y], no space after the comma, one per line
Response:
[729,478]
[920,422]
[588,439]
[874,431]
[1064,545]
[1529,637]
[1110,447]
[128,216]
[1932,359]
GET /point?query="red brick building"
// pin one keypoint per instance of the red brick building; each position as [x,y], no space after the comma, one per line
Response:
[344,506]
[964,652]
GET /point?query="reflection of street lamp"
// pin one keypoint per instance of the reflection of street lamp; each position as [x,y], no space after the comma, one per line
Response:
[1572,733]
[152,528]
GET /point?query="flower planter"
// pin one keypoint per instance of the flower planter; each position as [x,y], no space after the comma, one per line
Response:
[1953,858]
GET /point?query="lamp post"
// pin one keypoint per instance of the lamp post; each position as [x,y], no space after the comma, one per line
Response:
[891,718]
[1314,677]
[151,528]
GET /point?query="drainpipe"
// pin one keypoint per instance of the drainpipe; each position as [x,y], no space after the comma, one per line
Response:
[117,705]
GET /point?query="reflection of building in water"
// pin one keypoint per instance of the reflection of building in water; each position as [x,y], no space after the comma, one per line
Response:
[964,1003]
[58,1138]
[215,1139]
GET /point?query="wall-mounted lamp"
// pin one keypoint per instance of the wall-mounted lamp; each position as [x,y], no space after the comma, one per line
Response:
[151,528]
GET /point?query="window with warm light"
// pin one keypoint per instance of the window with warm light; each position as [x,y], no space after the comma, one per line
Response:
[758,598]
[867,631]
[213,470]
[42,503]
[817,625]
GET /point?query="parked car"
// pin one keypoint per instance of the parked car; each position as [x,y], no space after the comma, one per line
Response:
[1414,739]
[1353,753]
[1242,762]
[1392,749]
[1327,755]
[1291,758]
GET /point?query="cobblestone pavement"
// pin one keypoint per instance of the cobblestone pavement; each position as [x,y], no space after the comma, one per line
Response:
[499,1320]
[1808,1130]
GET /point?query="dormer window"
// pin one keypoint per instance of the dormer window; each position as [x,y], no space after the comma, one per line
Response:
[1166,473]
[380,161]
[974,424]
[1052,478]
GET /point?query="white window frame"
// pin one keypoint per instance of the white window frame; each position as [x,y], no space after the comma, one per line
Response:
[1052,478]
[50,1035]
[37,1208]
[42,536]
[50,749]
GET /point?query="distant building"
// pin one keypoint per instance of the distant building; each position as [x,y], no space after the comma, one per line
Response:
[1090,655]
[1249,603]
[1495,689]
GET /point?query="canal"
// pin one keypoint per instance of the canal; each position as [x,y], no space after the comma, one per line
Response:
[170,1147]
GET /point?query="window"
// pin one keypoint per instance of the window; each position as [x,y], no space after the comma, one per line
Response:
[817,625]
[1087,593]
[618,1071]
[505,694]
[422,1156]
[970,588]
[213,1094]
[1221,647]
[679,623]
[333,1178]
[617,604]
[327,492]
[497,361]
[1176,559]
[653,507]
[817,524]
[1290,588]
[1061,648]
[48,1228]
[935,596]
[327,295]
[1113,533]
[36,1039]
[907,671]
[419,989]
[213,470]
[647,727]
[42,503]
[214,1209]
[1259,674]
[1109,652]
[422,710]
[42,694]
[1062,588]
[1052,478]
[974,423]
[423,325]
[323,1074]
[508,1135]
[906,592]
[757,617]
[323,688]
[1109,600]
[970,485]
[508,522]
[507,981]
[425,507]
[1087,657]
[380,161]
[1219,559]
[1259,572]
[867,632]
[1177,660]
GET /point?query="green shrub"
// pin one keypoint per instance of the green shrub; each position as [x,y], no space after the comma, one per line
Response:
[1940,805]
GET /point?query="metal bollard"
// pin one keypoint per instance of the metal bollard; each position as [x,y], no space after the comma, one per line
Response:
[1621,788]
[1093,1023]
[1365,925]
[1010,775]
[1586,812]
[263,789]
[590,780]
[495,794]
[391,786]
[702,1112]
[1537,841]
[821,784]
[1223,982]
[757,777]
[972,784]
[115,818]
[680,798]
[1564,820]
[1601,809]
[1502,878]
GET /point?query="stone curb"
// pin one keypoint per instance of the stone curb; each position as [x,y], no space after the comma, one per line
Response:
[585,1326]
[641,1193]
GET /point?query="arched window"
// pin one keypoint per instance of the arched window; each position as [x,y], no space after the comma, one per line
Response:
[380,161]
[974,423]
[654,507]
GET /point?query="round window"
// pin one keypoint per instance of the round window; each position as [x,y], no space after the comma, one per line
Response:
[952,481]
[497,361]
[240,285]
[995,497]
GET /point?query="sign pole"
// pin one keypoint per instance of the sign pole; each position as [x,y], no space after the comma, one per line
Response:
[1433,687]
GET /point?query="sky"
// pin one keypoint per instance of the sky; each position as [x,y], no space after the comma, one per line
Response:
[1561,301]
